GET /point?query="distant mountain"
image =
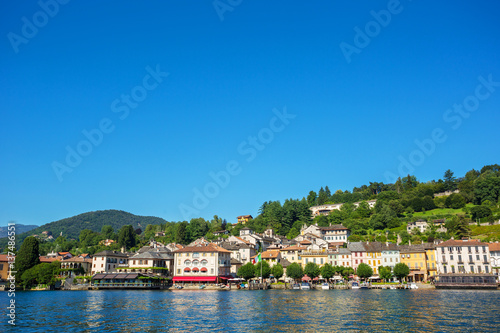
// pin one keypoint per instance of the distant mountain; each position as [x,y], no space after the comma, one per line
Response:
[20,228]
[70,227]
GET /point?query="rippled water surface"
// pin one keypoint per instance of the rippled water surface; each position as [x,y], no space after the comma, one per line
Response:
[255,311]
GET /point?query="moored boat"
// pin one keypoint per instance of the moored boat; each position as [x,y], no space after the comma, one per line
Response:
[305,286]
[325,286]
[355,285]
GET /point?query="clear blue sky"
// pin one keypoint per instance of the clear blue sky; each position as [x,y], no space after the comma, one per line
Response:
[357,113]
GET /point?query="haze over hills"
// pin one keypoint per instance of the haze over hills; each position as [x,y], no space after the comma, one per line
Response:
[20,228]
[70,227]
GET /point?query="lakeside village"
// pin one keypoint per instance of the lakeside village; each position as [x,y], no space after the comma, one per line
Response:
[320,257]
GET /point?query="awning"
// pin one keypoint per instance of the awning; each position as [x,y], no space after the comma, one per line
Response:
[225,278]
[187,269]
[417,273]
[195,278]
[306,278]
[204,269]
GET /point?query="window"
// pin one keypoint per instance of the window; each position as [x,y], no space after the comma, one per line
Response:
[486,269]
[187,262]
[470,258]
[479,269]
[196,262]
[485,259]
[420,255]
[204,262]
[178,271]
[445,269]
[211,271]
[453,269]
[484,250]
[451,256]
[472,269]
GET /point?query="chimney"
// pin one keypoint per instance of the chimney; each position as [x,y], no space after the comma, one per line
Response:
[386,243]
[123,249]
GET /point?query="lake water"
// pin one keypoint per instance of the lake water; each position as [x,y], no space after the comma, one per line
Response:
[255,311]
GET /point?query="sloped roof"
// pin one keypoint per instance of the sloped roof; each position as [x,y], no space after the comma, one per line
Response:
[203,248]
[356,247]
[494,247]
[460,242]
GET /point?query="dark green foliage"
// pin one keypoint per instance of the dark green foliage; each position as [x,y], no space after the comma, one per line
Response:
[312,270]
[126,237]
[262,267]
[28,255]
[478,212]
[247,271]
[364,271]
[277,271]
[449,181]
[487,187]
[295,271]
[327,271]
[428,203]
[401,271]
[455,201]
[181,235]
[43,273]
[385,272]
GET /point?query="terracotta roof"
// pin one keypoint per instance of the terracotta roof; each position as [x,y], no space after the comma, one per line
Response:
[270,254]
[48,259]
[461,242]
[241,239]
[305,242]
[294,248]
[494,247]
[203,248]
[77,260]
[3,258]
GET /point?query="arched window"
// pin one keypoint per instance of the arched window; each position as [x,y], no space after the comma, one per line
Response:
[204,262]
[187,270]
[187,263]
[196,270]
[196,262]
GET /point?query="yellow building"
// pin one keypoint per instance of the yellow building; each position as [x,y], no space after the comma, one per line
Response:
[272,257]
[374,254]
[430,254]
[415,257]
[244,218]
[4,267]
[293,253]
[318,257]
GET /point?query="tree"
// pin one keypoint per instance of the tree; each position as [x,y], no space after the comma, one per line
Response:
[385,272]
[449,181]
[277,271]
[478,212]
[107,232]
[401,271]
[311,198]
[181,235]
[327,271]
[28,255]
[262,267]
[346,272]
[246,271]
[312,270]
[322,196]
[487,187]
[455,201]
[364,271]
[295,271]
[126,237]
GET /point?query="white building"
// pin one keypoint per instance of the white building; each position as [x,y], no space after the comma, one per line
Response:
[327,208]
[108,261]
[202,263]
[421,225]
[495,256]
[463,256]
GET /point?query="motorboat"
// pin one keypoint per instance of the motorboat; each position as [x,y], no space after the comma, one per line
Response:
[365,285]
[325,286]
[202,286]
[305,286]
[355,285]
[413,286]
[178,287]
[296,286]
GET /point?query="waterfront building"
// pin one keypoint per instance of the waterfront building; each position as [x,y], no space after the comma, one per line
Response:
[390,255]
[108,261]
[430,256]
[271,256]
[158,261]
[240,251]
[319,257]
[414,256]
[463,256]
[358,254]
[342,257]
[4,267]
[202,263]
[293,253]
[77,263]
[495,257]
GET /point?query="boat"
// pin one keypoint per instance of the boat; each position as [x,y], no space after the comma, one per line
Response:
[202,286]
[305,286]
[413,286]
[178,287]
[355,285]
[325,286]
[365,285]
[296,286]
[392,287]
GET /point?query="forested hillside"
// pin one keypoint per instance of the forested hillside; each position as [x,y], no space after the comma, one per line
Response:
[460,202]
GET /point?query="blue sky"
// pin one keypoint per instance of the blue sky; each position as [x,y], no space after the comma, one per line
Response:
[345,117]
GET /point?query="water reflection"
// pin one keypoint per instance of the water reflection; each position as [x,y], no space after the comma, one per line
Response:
[258,311]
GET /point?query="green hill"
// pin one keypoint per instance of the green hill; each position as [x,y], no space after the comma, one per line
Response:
[70,227]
